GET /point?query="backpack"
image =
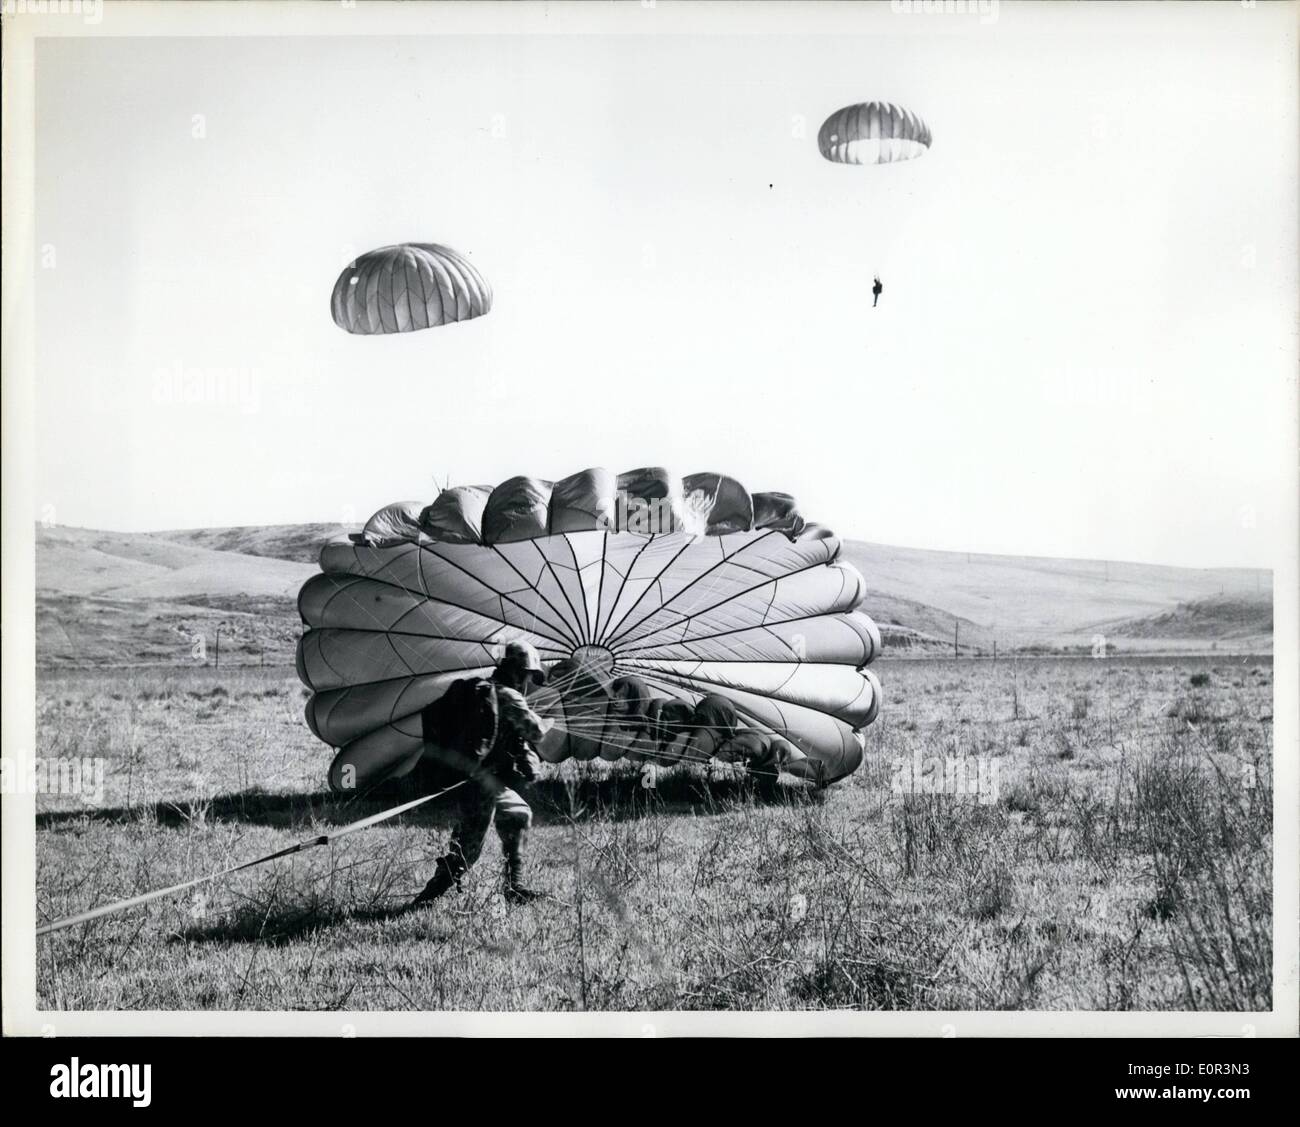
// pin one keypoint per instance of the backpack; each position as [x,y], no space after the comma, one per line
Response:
[463,722]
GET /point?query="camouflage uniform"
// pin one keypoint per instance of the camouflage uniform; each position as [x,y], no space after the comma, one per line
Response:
[492,790]
[491,793]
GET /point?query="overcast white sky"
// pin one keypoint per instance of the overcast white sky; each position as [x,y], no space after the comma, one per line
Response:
[1085,347]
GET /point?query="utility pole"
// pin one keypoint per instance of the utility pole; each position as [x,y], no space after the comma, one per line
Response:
[956,630]
[217,646]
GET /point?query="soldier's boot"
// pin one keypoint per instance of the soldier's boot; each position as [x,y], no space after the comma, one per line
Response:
[445,877]
[515,890]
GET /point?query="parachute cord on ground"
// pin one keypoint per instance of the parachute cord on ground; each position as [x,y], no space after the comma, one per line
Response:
[308,843]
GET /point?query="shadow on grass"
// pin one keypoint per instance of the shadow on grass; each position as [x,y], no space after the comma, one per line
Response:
[614,797]
[293,922]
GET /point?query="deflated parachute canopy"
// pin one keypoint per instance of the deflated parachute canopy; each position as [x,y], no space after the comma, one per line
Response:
[872,133]
[409,286]
[392,523]
[679,619]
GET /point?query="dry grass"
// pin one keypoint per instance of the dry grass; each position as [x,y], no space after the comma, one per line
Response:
[1126,863]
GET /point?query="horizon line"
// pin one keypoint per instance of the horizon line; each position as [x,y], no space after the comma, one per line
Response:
[843,538]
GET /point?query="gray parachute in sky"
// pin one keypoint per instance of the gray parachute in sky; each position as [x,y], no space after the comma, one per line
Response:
[873,133]
[410,286]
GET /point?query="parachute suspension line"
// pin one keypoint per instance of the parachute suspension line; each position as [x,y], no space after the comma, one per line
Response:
[663,759]
[563,627]
[600,590]
[667,758]
[585,624]
[603,631]
[615,629]
[502,596]
[580,631]
[308,843]
[624,630]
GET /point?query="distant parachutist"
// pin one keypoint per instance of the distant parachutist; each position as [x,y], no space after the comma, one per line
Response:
[876,291]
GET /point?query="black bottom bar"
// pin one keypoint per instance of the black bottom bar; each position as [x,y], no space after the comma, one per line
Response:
[369,1075]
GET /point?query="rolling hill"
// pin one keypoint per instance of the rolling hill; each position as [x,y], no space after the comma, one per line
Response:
[1027,602]
[299,543]
[123,598]
[148,565]
[132,598]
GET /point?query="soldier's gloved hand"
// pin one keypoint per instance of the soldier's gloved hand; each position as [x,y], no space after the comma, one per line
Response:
[528,765]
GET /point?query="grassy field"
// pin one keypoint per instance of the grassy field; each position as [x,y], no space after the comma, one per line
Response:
[1117,856]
